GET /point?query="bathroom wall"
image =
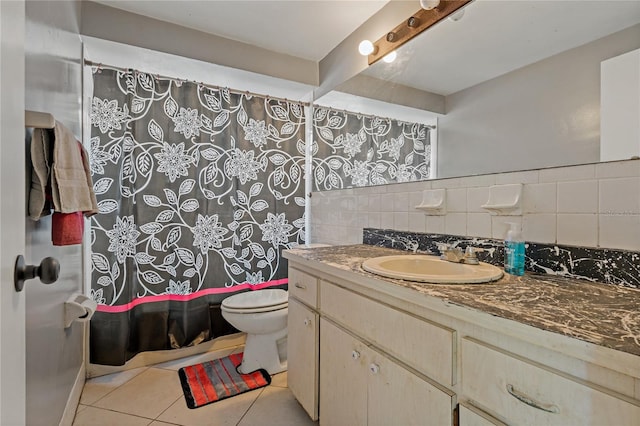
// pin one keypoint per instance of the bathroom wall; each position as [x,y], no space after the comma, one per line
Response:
[593,205]
[53,84]
[545,114]
[117,25]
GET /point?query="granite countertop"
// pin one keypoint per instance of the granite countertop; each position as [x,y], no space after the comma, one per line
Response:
[603,314]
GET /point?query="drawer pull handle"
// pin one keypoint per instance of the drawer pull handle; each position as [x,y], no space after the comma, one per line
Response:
[355,355]
[300,286]
[531,402]
[374,368]
[307,322]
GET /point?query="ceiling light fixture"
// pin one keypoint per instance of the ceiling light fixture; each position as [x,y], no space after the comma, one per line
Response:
[432,12]
[429,4]
[390,57]
[366,48]
[455,17]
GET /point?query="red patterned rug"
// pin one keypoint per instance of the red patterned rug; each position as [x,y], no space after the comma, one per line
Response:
[216,380]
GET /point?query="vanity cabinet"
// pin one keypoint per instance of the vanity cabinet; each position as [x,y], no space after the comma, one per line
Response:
[303,340]
[382,353]
[362,386]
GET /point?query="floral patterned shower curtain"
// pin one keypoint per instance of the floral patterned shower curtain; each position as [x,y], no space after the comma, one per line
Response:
[353,150]
[199,190]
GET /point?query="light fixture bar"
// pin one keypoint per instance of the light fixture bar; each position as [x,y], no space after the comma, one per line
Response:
[410,28]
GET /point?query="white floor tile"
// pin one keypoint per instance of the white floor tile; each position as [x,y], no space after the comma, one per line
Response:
[98,387]
[227,412]
[146,395]
[197,359]
[276,407]
[279,380]
[92,416]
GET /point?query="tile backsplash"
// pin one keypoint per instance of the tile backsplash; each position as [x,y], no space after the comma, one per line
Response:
[591,206]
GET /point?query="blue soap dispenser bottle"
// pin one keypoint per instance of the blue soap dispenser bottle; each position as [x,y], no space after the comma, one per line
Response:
[514,250]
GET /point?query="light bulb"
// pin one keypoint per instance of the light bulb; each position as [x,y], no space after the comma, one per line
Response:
[429,4]
[366,48]
[390,57]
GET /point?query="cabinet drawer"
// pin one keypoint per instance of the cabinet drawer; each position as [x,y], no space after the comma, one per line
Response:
[526,393]
[304,287]
[427,347]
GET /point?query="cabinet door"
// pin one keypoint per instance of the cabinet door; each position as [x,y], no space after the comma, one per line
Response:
[472,416]
[396,396]
[302,355]
[343,377]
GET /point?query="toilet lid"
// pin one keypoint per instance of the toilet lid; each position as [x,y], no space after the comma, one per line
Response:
[256,299]
[256,310]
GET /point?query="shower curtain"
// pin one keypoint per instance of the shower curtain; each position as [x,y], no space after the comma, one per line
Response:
[199,190]
[354,150]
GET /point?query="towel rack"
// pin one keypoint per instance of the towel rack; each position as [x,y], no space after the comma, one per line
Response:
[40,120]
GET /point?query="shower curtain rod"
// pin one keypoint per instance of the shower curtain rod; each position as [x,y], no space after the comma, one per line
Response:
[210,86]
[428,126]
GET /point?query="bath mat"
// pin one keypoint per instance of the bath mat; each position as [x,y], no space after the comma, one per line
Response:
[216,380]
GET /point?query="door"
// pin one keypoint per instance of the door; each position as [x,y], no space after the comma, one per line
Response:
[343,377]
[12,211]
[302,356]
[397,396]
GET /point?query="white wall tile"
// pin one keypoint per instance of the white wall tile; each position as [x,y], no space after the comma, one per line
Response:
[435,224]
[417,222]
[620,231]
[563,174]
[539,228]
[374,203]
[415,199]
[386,220]
[401,221]
[529,176]
[457,200]
[578,197]
[619,196]
[447,183]
[362,203]
[455,223]
[401,202]
[577,229]
[477,197]
[539,198]
[480,180]
[500,225]
[479,225]
[617,169]
[386,202]
[374,220]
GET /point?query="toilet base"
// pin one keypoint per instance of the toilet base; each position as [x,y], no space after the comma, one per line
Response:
[261,351]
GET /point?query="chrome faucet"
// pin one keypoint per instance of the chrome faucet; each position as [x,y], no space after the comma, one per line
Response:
[455,254]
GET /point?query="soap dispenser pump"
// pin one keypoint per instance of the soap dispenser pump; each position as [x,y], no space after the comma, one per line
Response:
[514,250]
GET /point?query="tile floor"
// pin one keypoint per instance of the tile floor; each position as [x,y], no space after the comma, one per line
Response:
[153,396]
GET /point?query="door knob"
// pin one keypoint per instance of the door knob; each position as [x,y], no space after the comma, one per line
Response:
[48,271]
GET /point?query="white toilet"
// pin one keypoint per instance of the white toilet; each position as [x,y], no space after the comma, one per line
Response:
[262,314]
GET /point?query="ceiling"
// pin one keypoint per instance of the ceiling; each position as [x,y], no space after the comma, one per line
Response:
[496,36]
[307,29]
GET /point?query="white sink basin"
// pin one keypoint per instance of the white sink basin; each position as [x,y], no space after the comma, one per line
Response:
[431,269]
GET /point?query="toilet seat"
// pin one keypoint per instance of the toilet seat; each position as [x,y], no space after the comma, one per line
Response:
[256,301]
[256,310]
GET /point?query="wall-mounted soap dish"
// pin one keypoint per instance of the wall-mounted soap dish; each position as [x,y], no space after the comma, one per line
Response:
[433,202]
[505,200]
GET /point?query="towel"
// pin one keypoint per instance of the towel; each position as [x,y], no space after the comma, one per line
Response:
[61,162]
[71,185]
[67,228]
